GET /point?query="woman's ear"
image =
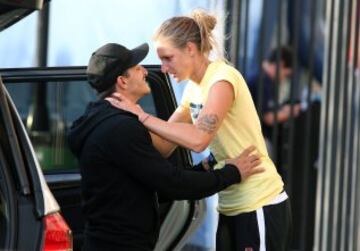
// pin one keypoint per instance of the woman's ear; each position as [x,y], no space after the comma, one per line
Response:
[191,48]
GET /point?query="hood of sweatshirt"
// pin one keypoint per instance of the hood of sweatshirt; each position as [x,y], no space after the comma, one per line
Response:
[95,113]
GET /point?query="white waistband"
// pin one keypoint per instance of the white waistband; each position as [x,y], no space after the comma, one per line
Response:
[278,199]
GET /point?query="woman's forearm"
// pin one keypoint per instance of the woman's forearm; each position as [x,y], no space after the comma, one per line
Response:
[165,147]
[183,134]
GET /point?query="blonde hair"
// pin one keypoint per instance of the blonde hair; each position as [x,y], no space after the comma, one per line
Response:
[197,28]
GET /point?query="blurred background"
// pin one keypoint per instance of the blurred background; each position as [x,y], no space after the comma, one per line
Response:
[301,62]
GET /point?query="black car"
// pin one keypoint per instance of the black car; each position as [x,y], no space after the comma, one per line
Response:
[40,201]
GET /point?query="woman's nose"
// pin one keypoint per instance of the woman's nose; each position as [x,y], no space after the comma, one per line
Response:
[164,68]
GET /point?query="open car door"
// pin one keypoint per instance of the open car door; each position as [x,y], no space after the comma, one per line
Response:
[29,214]
[49,100]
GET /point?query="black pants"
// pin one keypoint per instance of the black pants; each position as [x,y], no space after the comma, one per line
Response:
[269,227]
[93,244]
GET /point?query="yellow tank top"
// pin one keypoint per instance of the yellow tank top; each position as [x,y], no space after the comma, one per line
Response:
[239,129]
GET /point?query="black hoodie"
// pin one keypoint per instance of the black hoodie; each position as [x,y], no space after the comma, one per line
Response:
[122,173]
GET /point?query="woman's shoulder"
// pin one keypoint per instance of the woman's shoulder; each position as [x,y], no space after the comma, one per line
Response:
[224,70]
[222,67]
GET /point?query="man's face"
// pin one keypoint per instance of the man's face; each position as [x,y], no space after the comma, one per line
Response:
[271,68]
[136,80]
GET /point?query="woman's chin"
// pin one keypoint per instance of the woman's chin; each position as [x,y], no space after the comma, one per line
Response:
[176,78]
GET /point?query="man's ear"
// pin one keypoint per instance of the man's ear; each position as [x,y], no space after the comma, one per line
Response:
[121,83]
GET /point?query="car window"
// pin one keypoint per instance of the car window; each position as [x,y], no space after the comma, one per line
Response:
[48,110]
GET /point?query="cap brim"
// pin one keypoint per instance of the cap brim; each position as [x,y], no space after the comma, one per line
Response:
[138,54]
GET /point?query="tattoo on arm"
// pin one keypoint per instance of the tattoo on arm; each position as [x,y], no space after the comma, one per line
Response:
[207,123]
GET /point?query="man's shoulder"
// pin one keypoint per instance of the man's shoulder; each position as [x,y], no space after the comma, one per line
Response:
[122,129]
[125,120]
[112,118]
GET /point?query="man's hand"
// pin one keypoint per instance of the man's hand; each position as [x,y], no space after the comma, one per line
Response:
[282,115]
[247,163]
[287,110]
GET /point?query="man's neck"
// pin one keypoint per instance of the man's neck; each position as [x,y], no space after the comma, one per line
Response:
[129,97]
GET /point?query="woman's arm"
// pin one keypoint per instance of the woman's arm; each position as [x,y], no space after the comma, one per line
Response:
[196,136]
[164,146]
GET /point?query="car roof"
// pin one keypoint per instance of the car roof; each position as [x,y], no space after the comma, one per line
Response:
[13,11]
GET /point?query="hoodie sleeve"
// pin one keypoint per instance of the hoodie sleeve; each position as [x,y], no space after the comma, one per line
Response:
[145,164]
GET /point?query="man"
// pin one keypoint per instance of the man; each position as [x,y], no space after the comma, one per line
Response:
[121,169]
[269,114]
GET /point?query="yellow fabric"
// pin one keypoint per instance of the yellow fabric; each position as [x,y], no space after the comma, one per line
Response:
[239,129]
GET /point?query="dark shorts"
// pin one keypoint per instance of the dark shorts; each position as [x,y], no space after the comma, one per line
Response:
[268,228]
[93,244]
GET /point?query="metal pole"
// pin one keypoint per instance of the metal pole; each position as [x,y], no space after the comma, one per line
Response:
[228,26]
[38,119]
[294,80]
[308,133]
[340,116]
[239,32]
[245,42]
[324,139]
[263,29]
[275,132]
[356,233]
[43,36]
[348,132]
[354,224]
[234,32]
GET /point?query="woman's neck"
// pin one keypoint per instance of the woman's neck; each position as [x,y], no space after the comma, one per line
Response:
[199,70]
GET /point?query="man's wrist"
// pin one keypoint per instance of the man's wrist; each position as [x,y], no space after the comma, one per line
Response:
[235,175]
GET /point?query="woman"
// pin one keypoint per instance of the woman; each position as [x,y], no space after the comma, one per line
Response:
[217,112]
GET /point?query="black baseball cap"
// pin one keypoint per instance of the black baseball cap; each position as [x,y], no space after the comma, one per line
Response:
[110,61]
